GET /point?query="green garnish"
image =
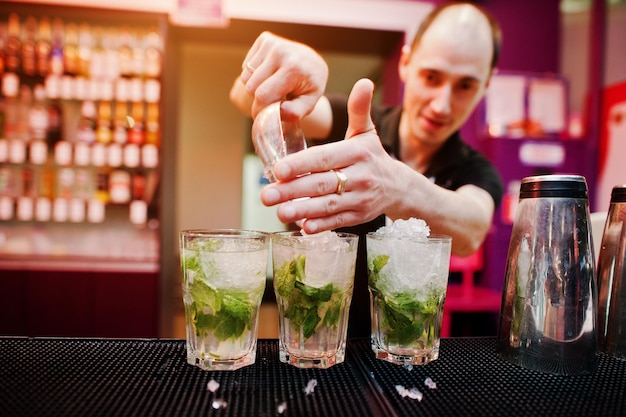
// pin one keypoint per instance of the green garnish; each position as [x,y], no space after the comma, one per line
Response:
[405,318]
[308,306]
[225,313]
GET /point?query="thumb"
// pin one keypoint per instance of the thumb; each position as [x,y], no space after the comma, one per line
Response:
[359,107]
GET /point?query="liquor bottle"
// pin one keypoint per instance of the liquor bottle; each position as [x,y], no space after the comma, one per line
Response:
[44,47]
[153,55]
[125,53]
[25,202]
[38,120]
[138,63]
[103,124]
[120,125]
[47,182]
[136,134]
[10,91]
[29,53]
[97,68]
[65,182]
[110,43]
[56,53]
[102,185]
[55,111]
[153,131]
[85,46]
[70,49]
[14,45]
[119,187]
[23,113]
[87,124]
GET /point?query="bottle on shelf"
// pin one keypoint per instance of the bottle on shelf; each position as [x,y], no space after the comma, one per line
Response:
[153,55]
[29,49]
[86,132]
[24,104]
[44,47]
[138,63]
[85,46]
[38,117]
[153,130]
[13,47]
[97,62]
[103,124]
[136,134]
[70,49]
[10,92]
[56,51]
[55,110]
[125,52]
[120,124]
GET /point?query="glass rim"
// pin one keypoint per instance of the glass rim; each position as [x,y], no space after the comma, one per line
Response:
[436,237]
[234,233]
[297,233]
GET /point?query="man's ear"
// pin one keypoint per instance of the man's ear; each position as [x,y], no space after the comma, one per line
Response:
[403,62]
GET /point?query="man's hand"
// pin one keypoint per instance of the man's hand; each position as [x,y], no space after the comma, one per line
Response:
[278,69]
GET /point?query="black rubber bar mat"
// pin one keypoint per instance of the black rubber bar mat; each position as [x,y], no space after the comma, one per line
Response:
[471,380]
[95,377]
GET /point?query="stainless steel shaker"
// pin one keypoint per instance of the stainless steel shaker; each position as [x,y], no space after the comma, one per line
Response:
[612,278]
[547,317]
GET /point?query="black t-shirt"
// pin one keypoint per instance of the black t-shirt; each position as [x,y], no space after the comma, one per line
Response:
[454,165]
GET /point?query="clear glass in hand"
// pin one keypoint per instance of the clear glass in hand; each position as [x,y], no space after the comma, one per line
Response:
[275,138]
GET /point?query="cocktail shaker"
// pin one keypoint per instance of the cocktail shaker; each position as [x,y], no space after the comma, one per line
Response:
[549,302]
[612,278]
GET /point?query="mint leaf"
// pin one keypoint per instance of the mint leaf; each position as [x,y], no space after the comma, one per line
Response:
[406,319]
[306,304]
[377,264]
[231,313]
[284,280]
[204,296]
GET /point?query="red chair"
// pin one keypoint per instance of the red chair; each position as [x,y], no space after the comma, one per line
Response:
[467,297]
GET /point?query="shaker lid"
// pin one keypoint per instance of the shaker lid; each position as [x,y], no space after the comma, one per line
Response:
[566,186]
[618,194]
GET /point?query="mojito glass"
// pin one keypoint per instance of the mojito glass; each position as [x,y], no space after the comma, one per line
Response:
[407,280]
[223,278]
[313,282]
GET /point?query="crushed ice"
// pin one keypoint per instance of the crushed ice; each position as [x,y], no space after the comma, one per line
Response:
[212,385]
[412,393]
[219,403]
[310,387]
[281,408]
[430,383]
[412,227]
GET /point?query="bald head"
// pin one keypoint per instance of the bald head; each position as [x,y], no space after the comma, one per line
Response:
[462,22]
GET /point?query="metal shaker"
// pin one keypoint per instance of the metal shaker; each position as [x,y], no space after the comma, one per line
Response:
[612,278]
[547,317]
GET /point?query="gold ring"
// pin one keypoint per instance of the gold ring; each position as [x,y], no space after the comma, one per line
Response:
[342,181]
[250,67]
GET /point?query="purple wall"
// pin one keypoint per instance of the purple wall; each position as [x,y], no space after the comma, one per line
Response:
[531,31]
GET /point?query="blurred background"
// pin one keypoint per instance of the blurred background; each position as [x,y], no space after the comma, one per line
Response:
[117,133]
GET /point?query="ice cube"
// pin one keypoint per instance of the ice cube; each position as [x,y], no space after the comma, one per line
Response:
[430,383]
[281,408]
[412,393]
[310,387]
[219,403]
[412,227]
[212,385]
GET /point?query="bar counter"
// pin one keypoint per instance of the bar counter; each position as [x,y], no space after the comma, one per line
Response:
[150,377]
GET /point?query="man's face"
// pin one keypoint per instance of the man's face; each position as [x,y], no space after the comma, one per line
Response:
[445,77]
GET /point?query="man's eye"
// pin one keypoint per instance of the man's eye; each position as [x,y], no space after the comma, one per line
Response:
[431,78]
